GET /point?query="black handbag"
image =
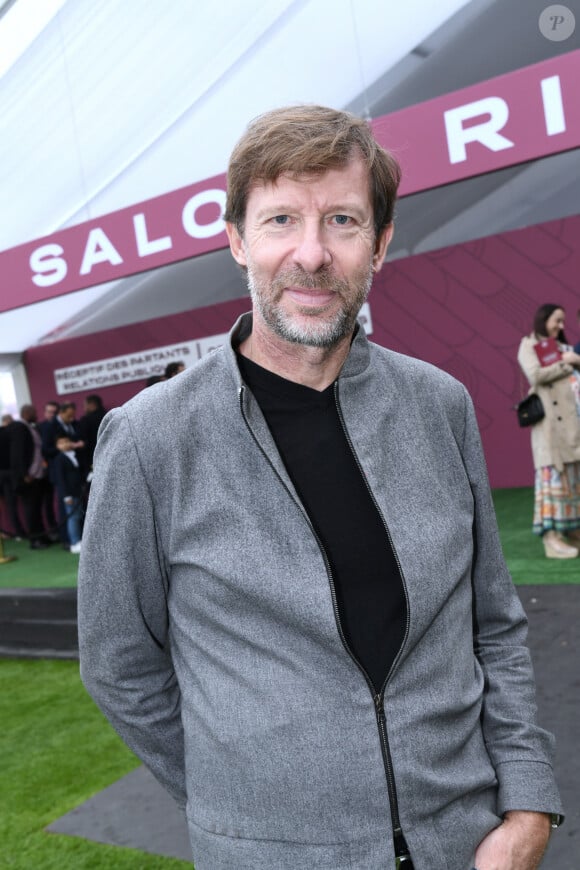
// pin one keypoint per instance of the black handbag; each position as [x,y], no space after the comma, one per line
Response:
[530,410]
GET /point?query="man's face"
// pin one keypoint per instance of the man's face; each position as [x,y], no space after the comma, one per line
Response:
[310,250]
[68,415]
[50,412]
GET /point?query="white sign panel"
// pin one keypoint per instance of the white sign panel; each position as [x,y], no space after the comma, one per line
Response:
[136,366]
[365,319]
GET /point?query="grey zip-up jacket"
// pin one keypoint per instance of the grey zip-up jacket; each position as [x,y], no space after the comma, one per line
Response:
[209,632]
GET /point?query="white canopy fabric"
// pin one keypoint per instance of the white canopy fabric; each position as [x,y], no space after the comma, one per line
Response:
[106,103]
[116,101]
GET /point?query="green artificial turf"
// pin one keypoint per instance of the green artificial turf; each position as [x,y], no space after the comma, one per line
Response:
[56,751]
[53,567]
[523,551]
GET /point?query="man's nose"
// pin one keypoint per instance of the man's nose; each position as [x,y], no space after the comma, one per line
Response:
[312,250]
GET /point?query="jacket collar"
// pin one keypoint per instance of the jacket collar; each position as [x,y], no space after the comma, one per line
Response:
[356,362]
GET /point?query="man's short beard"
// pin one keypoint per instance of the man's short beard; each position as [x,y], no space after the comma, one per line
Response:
[321,333]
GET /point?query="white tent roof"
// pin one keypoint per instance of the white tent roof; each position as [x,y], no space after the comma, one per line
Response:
[116,101]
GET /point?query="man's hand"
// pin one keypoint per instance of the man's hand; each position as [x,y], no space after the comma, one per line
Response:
[518,843]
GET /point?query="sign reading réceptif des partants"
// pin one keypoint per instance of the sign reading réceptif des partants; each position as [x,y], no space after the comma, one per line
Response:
[137,366]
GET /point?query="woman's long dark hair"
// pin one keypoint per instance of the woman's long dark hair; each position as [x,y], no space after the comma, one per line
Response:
[543,314]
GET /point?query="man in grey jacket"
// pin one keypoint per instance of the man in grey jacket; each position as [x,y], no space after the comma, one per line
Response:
[293,604]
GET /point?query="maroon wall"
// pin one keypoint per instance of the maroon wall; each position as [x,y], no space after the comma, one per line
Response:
[463,308]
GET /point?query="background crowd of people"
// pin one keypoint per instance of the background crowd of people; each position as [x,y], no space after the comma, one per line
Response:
[45,469]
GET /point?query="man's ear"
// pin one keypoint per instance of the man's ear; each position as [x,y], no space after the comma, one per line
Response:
[236,244]
[382,243]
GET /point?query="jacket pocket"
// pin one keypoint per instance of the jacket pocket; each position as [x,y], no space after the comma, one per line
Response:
[216,851]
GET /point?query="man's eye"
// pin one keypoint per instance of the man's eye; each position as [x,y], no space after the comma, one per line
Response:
[281,219]
[341,219]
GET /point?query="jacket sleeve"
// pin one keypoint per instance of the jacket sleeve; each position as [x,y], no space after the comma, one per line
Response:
[21,451]
[48,435]
[123,618]
[536,373]
[520,751]
[59,477]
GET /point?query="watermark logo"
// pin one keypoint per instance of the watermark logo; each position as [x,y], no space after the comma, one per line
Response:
[557,22]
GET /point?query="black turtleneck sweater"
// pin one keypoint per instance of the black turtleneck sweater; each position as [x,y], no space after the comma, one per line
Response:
[306,427]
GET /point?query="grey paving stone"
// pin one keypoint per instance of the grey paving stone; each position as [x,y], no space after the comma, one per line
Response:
[554,617]
[135,811]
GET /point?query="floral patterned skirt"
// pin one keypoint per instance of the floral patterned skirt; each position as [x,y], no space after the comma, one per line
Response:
[557,499]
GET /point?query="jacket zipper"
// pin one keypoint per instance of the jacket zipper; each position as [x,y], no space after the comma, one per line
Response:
[398,838]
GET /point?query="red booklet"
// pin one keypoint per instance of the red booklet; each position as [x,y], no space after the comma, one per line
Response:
[548,351]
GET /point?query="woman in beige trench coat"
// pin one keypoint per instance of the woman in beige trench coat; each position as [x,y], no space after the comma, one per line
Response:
[556,438]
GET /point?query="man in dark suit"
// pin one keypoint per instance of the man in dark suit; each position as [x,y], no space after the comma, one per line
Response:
[28,470]
[7,492]
[64,424]
[89,426]
[43,427]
